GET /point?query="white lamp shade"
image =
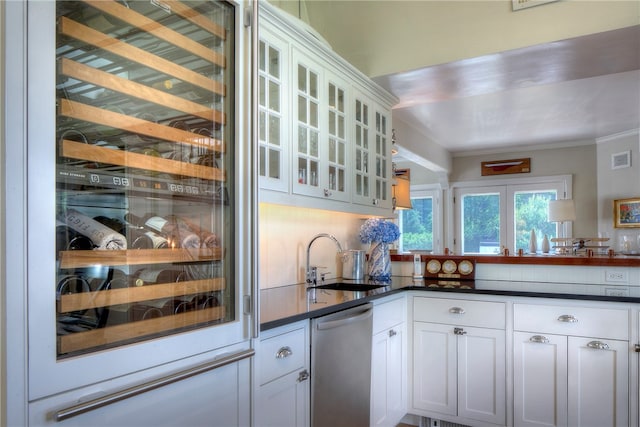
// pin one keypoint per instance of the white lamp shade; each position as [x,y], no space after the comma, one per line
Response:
[562,210]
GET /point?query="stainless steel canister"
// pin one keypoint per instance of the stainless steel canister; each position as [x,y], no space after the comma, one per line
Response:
[353,264]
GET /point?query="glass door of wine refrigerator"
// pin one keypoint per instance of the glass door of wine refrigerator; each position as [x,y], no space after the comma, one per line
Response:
[147,183]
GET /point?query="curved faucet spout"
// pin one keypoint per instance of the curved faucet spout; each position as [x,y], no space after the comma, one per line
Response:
[311,274]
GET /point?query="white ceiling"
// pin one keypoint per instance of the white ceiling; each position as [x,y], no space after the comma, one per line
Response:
[578,89]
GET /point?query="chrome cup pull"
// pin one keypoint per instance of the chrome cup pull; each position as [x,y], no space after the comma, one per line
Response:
[392,333]
[284,352]
[598,345]
[539,339]
[456,310]
[567,318]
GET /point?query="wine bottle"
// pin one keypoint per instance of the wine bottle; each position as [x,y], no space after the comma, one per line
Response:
[146,312]
[208,302]
[159,242]
[115,279]
[159,275]
[207,238]
[67,239]
[102,236]
[170,306]
[178,237]
[136,238]
[151,222]
[72,284]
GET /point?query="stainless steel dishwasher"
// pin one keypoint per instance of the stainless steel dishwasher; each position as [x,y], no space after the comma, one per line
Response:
[341,368]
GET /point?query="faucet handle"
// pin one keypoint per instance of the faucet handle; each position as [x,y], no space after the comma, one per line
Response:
[312,274]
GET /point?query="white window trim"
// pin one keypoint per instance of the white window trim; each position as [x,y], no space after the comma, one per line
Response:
[436,193]
[453,228]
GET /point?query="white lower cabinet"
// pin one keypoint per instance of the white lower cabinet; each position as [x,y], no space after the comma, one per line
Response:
[283,392]
[389,363]
[459,360]
[571,366]
[185,395]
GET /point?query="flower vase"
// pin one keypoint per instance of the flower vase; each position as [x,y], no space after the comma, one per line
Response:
[533,242]
[379,262]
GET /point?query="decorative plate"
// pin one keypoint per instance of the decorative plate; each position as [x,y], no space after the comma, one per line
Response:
[449,266]
[433,266]
[465,267]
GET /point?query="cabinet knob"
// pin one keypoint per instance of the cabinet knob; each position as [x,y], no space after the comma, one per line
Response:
[392,333]
[303,376]
[568,318]
[375,202]
[539,339]
[327,193]
[459,331]
[284,352]
[598,345]
[456,310]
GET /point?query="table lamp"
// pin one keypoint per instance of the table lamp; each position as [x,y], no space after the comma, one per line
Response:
[561,211]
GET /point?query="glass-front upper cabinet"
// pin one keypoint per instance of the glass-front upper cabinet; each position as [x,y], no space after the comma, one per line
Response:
[372,165]
[273,135]
[336,185]
[362,192]
[308,97]
[382,156]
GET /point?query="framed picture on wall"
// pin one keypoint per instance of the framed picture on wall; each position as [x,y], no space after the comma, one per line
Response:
[626,213]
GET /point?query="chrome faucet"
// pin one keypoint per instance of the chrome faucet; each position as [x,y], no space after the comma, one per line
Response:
[312,272]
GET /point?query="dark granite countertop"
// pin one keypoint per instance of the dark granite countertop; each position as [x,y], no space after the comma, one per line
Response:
[287,304]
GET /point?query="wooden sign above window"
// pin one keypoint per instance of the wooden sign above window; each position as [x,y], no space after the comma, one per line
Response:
[504,167]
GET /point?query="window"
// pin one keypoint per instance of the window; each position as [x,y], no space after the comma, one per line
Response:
[490,218]
[419,225]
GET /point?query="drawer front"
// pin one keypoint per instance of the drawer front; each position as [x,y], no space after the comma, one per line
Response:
[388,314]
[281,354]
[570,320]
[482,314]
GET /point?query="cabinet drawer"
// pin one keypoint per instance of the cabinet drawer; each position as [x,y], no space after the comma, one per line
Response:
[483,314]
[281,354]
[388,314]
[572,320]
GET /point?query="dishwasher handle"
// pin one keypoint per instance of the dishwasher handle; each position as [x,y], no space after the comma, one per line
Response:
[364,314]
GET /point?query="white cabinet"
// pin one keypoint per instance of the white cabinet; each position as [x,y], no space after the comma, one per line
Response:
[571,365]
[459,360]
[283,395]
[389,363]
[335,185]
[212,392]
[320,147]
[273,111]
[372,153]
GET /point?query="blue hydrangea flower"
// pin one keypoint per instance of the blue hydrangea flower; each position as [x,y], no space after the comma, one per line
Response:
[379,230]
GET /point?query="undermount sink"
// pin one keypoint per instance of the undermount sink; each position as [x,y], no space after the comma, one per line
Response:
[356,287]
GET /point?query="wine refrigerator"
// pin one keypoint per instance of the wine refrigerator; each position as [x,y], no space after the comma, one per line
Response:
[133,161]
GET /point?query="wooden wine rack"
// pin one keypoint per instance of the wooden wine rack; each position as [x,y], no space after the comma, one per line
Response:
[78,150]
[80,259]
[89,300]
[119,333]
[113,165]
